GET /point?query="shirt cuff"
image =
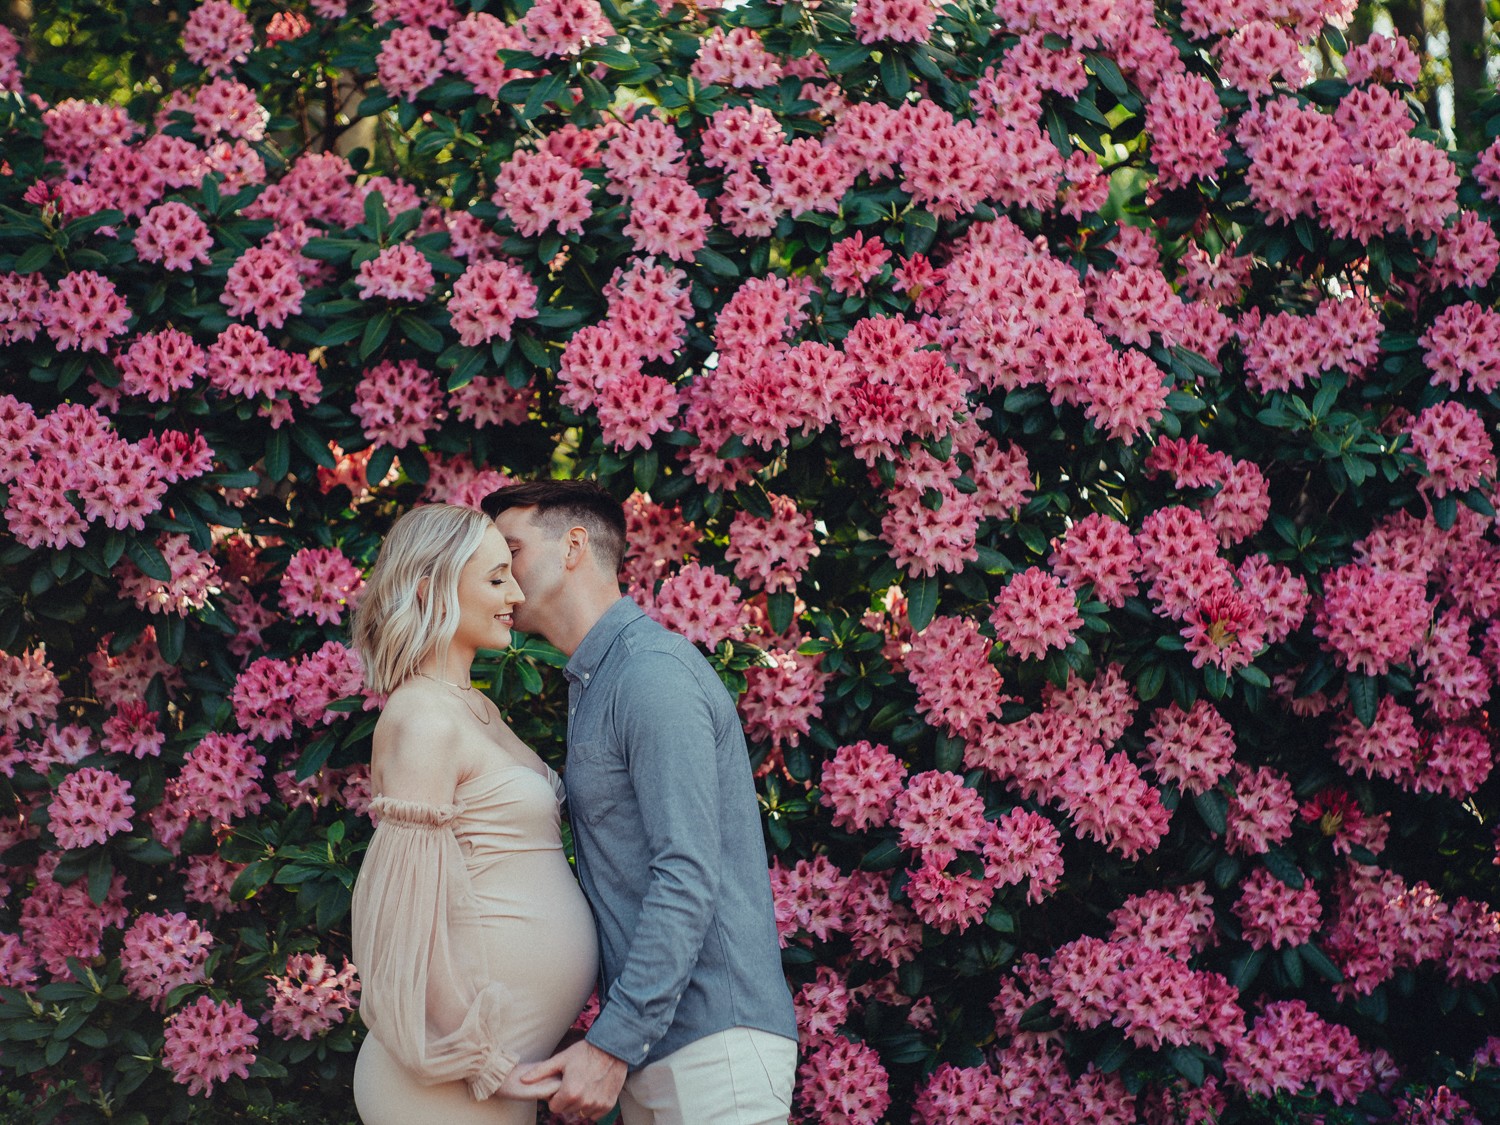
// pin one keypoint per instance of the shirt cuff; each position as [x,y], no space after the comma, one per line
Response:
[616,1033]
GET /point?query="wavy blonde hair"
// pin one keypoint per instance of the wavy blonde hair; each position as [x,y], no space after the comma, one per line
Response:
[395,624]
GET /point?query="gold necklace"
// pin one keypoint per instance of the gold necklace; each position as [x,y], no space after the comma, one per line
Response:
[483,716]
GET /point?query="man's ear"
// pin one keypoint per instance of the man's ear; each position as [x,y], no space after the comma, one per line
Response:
[576,544]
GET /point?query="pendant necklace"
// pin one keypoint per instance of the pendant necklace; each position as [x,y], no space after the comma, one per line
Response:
[482,717]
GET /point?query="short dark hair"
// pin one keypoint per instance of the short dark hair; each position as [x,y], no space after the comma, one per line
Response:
[561,504]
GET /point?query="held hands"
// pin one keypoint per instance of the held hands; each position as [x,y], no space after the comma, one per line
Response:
[514,1087]
[580,1079]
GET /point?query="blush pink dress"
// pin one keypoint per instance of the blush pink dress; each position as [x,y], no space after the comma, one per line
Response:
[475,947]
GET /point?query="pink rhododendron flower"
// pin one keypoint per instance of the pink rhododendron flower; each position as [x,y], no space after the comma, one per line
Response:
[781,701]
[564,27]
[1099,551]
[1383,58]
[472,47]
[1110,802]
[633,407]
[217,35]
[899,21]
[771,554]
[537,190]
[90,806]
[1453,442]
[410,60]
[58,922]
[1288,1048]
[397,273]
[939,815]
[229,109]
[854,262]
[843,1083]
[310,997]
[1035,613]
[29,690]
[398,403]
[1193,748]
[735,58]
[193,578]
[321,583]
[1371,619]
[701,604]
[262,699]
[17,966]
[264,283]
[488,299]
[1262,810]
[1273,914]
[807,897]
[132,730]
[175,235]
[1179,921]
[162,952]
[669,217]
[84,312]
[860,783]
[1025,845]
[76,131]
[1182,120]
[207,1042]
[960,1096]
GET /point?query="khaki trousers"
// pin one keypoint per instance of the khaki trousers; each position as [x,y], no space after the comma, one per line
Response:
[737,1077]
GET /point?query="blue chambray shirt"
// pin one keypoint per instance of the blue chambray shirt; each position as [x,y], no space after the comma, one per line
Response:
[667,835]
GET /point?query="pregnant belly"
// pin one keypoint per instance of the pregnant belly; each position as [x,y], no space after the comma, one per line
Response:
[540,936]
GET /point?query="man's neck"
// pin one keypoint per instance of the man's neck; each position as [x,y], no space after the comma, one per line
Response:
[583,614]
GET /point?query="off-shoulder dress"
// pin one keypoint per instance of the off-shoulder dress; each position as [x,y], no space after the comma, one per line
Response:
[475,947]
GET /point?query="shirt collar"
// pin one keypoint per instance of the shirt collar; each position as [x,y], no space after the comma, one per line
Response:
[597,641]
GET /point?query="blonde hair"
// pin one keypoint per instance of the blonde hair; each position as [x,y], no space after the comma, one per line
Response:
[396,625]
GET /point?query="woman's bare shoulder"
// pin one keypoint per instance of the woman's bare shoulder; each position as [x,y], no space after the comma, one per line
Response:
[417,742]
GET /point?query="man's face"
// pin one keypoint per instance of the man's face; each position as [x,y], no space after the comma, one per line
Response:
[537,563]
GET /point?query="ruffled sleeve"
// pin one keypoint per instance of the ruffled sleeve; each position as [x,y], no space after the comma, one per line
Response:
[428,992]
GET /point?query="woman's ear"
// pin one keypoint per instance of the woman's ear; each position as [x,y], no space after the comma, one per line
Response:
[424,584]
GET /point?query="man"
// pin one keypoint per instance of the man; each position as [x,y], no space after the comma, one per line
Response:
[697,1025]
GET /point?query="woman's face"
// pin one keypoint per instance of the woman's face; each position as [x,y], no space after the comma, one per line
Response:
[488,594]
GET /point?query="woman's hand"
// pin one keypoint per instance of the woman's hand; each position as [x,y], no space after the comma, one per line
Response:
[513,1087]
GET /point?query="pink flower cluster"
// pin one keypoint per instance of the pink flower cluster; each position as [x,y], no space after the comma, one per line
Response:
[310,996]
[321,583]
[207,1042]
[162,952]
[90,806]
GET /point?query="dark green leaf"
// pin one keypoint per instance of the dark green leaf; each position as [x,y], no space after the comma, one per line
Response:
[151,562]
[377,328]
[1364,696]
[882,856]
[1319,963]
[1213,807]
[921,601]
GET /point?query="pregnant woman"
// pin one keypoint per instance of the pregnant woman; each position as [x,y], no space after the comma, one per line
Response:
[475,947]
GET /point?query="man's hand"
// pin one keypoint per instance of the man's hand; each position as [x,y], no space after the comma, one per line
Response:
[590,1080]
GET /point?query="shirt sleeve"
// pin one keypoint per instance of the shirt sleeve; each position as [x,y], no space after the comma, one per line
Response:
[666,731]
[428,992]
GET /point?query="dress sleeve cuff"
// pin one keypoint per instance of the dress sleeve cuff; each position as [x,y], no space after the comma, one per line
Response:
[495,1068]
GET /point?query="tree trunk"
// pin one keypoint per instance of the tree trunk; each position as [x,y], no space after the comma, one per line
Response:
[1466,55]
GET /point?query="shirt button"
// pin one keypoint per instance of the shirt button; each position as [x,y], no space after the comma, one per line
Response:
[586,675]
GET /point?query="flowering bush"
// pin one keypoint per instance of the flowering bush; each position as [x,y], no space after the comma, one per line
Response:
[1070,427]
